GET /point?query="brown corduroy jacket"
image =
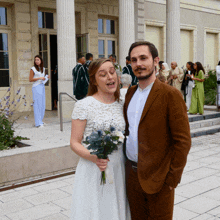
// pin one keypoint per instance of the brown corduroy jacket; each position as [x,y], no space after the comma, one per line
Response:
[164,137]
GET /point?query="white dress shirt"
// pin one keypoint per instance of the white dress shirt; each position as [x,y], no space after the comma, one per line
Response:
[134,112]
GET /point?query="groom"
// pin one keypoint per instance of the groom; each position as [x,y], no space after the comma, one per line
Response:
[158,138]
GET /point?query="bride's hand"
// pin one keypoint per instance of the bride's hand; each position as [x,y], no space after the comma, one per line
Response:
[102,164]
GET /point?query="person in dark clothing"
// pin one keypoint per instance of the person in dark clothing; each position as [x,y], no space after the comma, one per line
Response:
[55,87]
[89,59]
[160,66]
[113,58]
[128,70]
[80,79]
[187,84]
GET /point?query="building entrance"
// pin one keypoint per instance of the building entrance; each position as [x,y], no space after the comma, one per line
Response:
[54,70]
[48,50]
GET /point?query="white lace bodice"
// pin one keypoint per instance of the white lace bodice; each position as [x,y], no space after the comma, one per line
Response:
[98,115]
[38,74]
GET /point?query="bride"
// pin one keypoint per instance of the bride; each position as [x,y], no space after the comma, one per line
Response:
[99,110]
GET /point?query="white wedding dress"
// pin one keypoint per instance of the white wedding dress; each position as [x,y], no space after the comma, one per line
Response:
[92,201]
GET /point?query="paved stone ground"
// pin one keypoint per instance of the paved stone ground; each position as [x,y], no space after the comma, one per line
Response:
[197,197]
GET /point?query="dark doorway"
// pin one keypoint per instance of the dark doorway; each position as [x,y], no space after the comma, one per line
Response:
[54,70]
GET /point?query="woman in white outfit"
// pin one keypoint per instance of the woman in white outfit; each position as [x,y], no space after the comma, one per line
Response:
[189,83]
[37,76]
[126,80]
[99,110]
[165,70]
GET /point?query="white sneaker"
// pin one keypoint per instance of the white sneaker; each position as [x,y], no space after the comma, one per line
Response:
[40,126]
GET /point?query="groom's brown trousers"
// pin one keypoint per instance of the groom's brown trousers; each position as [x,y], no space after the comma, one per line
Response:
[143,206]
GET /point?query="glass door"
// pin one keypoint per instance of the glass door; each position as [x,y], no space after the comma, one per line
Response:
[81,44]
[4,60]
[44,51]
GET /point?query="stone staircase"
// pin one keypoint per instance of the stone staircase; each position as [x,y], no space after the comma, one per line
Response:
[209,123]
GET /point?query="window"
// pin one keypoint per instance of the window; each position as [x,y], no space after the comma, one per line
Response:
[107,37]
[111,47]
[101,48]
[81,44]
[4,60]
[110,26]
[45,20]
[100,26]
[3,16]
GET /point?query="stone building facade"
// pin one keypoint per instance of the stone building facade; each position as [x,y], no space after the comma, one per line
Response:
[182,30]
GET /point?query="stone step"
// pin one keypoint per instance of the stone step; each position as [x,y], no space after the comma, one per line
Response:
[204,123]
[205,130]
[210,107]
[206,116]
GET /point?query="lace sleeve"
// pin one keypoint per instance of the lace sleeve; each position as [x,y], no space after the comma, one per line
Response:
[79,111]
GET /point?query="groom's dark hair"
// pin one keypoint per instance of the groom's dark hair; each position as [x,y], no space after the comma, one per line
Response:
[152,48]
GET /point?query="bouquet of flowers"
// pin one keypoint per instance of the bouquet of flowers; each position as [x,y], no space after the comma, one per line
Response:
[104,143]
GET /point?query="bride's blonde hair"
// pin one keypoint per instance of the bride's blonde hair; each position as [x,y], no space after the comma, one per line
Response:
[93,68]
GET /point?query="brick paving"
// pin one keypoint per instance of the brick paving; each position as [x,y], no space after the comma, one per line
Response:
[197,197]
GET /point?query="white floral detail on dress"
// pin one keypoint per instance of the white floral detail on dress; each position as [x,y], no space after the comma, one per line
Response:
[99,116]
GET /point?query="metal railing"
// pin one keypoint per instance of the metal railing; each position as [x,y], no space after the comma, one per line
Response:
[60,107]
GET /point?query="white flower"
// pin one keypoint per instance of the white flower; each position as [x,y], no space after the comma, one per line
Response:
[120,135]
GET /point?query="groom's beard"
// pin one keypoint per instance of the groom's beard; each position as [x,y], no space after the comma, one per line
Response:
[148,75]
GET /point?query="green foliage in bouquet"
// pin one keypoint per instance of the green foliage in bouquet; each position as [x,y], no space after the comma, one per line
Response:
[103,143]
[210,88]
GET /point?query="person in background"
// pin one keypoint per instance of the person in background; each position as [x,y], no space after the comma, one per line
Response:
[218,84]
[80,79]
[126,81]
[188,83]
[158,71]
[160,76]
[128,70]
[89,59]
[160,65]
[165,70]
[37,76]
[113,58]
[175,76]
[55,87]
[197,100]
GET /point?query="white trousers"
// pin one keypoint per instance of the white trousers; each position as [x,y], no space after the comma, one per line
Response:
[189,93]
[39,103]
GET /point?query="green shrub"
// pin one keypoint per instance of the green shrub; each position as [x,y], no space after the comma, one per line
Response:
[210,88]
[8,107]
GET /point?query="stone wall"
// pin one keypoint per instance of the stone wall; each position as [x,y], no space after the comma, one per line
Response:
[24,27]
[197,16]
[94,9]
[24,32]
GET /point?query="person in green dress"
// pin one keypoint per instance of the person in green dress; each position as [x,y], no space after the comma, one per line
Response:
[197,100]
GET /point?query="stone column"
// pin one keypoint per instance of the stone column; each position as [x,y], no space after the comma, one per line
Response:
[173,40]
[126,28]
[66,49]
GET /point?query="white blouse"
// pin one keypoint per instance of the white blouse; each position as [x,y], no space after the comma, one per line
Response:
[38,74]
